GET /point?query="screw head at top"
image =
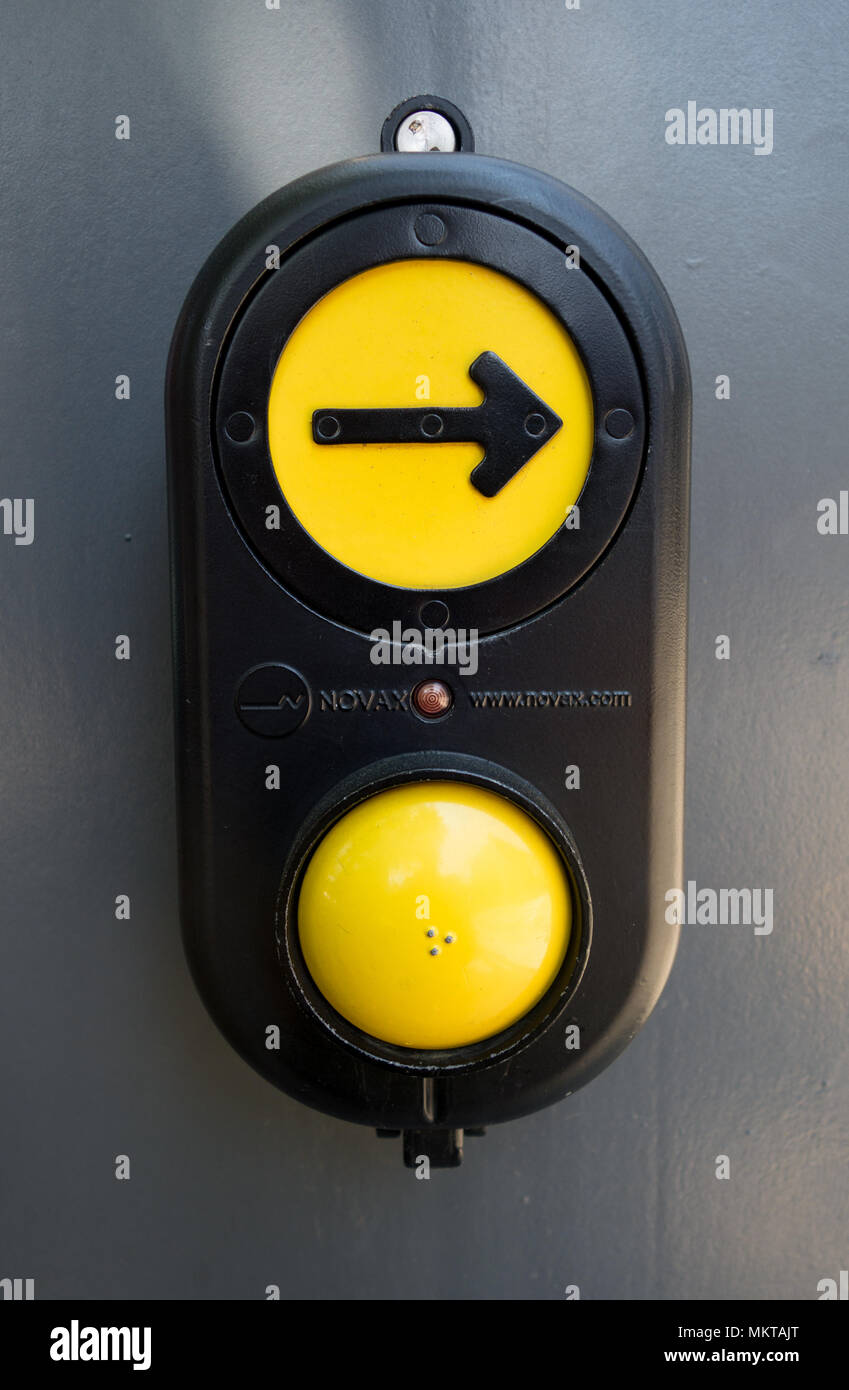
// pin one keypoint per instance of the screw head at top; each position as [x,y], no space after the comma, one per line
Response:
[426,124]
[426,132]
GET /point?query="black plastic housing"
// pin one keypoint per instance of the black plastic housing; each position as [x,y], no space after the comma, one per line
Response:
[606,635]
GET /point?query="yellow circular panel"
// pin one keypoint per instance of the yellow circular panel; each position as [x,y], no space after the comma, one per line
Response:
[434,915]
[405,334]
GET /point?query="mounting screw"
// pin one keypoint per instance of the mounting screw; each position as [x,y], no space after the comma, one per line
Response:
[240,427]
[619,423]
[426,131]
[328,427]
[424,125]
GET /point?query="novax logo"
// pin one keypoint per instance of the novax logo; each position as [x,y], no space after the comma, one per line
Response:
[77,1343]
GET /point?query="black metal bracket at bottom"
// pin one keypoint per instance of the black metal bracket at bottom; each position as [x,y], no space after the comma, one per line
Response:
[443,1148]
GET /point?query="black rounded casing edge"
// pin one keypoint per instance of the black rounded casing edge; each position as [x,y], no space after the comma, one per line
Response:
[622,628]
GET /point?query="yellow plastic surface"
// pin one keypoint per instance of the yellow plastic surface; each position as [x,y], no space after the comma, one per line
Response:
[403,334]
[434,914]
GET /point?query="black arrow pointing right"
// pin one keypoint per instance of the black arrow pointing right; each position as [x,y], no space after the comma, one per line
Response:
[512,423]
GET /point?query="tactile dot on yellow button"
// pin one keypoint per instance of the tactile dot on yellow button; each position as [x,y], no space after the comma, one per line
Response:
[404,334]
[434,914]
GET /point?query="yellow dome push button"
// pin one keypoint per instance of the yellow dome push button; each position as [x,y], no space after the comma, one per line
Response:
[434,914]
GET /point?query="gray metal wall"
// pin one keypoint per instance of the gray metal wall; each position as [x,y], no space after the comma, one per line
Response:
[106,1049]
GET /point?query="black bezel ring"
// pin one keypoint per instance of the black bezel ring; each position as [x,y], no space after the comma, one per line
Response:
[357,243]
[433,767]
